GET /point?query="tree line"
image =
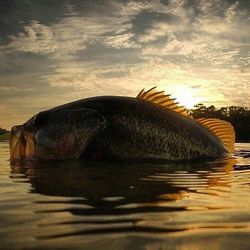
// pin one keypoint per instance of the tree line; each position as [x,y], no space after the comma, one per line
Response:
[3,131]
[238,116]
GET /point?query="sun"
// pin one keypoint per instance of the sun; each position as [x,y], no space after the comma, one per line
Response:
[187,100]
[185,95]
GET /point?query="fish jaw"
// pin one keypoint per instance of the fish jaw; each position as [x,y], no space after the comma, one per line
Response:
[22,144]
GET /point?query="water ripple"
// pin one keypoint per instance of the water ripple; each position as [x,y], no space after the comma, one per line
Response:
[49,204]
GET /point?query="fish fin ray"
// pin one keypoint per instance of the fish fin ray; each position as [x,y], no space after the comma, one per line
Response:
[163,100]
[223,130]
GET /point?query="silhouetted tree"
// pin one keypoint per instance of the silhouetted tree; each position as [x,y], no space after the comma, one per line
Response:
[3,131]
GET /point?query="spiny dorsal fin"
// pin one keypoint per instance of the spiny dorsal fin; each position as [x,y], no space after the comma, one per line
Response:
[222,129]
[159,98]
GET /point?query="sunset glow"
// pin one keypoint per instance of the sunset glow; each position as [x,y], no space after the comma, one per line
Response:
[185,96]
[187,100]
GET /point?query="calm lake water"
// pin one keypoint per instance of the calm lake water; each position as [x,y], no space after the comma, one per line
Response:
[72,205]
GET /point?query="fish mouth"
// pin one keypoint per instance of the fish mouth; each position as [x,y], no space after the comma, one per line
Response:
[22,144]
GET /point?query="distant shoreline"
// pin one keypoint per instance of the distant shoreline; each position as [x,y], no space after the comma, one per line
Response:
[5,136]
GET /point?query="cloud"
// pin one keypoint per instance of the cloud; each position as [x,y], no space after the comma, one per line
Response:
[132,8]
[215,35]
[120,41]
[157,31]
[59,40]
[231,12]
[70,35]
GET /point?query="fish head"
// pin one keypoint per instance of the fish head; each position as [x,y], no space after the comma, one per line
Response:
[45,136]
[56,134]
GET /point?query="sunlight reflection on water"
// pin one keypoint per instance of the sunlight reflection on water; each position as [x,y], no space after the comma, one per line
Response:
[74,204]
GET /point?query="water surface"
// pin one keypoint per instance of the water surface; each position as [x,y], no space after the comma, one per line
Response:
[76,204]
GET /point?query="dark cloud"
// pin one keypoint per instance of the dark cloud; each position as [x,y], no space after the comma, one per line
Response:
[16,14]
[144,20]
[97,8]
[114,74]
[103,56]
[23,62]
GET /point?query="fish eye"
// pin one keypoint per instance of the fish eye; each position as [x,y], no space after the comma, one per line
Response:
[14,129]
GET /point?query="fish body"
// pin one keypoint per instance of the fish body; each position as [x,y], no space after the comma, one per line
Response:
[114,128]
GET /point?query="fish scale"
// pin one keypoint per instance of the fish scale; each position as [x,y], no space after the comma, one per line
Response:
[149,132]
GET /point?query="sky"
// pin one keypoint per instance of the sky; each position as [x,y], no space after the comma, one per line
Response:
[57,51]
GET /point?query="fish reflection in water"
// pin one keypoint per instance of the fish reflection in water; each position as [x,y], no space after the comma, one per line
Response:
[124,190]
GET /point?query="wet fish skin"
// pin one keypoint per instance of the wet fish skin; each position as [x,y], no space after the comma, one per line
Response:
[120,128]
[138,130]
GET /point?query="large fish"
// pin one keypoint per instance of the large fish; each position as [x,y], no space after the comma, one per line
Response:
[148,127]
